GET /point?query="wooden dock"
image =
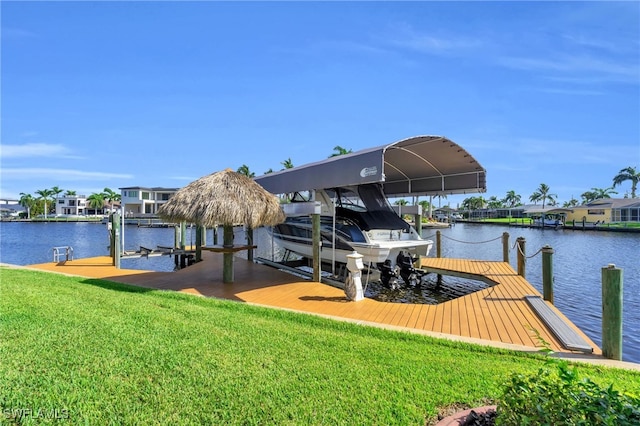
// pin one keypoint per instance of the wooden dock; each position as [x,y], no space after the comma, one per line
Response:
[498,315]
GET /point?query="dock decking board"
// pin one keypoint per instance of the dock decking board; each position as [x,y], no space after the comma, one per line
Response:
[498,313]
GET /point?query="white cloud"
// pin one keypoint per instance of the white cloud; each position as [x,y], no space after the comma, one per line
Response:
[425,42]
[59,174]
[36,150]
[612,71]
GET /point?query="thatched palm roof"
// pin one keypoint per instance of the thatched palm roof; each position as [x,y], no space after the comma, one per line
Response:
[223,198]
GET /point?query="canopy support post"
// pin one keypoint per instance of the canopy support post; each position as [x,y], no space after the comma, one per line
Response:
[227,258]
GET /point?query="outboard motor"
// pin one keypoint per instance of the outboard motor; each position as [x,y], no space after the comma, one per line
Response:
[388,275]
[408,273]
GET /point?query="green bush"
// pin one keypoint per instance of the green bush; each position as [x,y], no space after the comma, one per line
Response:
[561,398]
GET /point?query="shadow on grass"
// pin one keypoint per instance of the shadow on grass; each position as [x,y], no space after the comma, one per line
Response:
[111,285]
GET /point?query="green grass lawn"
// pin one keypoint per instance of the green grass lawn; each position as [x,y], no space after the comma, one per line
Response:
[95,352]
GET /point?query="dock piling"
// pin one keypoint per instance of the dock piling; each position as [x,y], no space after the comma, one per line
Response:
[612,312]
[317,241]
[505,247]
[520,244]
[115,239]
[547,273]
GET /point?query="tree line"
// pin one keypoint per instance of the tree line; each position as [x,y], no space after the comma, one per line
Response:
[543,194]
[39,204]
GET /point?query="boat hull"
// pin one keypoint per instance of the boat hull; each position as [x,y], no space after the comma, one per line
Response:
[374,252]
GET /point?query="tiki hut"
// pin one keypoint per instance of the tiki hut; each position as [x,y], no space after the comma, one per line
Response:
[224,198]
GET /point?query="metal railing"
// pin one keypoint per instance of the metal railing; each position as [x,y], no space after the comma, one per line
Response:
[67,251]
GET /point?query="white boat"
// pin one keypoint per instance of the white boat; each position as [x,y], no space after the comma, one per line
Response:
[350,193]
[548,221]
[549,217]
[363,221]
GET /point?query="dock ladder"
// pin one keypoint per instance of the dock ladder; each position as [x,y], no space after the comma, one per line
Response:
[67,251]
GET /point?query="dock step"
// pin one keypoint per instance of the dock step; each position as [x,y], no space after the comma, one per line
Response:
[567,336]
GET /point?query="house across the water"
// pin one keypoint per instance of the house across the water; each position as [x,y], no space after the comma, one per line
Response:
[140,201]
[607,210]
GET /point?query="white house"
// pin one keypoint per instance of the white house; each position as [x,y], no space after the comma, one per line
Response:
[71,205]
[138,201]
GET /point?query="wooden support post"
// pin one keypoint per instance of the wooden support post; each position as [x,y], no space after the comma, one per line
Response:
[112,246]
[418,223]
[317,261]
[505,247]
[250,243]
[547,273]
[612,312]
[215,235]
[520,244]
[183,234]
[227,258]
[439,254]
[176,244]
[115,237]
[198,243]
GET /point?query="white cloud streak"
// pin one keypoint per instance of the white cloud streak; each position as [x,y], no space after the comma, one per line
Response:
[36,150]
[59,174]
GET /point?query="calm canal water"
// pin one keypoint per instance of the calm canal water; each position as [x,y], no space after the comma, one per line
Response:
[577,262]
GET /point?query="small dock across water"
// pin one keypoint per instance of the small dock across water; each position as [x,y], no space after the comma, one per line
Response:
[498,315]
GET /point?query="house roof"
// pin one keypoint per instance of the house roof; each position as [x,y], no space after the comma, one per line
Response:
[421,165]
[611,203]
[155,189]
[549,210]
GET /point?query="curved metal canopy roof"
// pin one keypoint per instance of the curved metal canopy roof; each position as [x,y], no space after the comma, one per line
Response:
[421,165]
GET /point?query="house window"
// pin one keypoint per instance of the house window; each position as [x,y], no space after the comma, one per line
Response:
[61,201]
[165,197]
[133,194]
[595,211]
[145,195]
[72,203]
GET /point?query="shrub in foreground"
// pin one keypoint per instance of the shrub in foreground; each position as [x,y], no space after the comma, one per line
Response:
[560,397]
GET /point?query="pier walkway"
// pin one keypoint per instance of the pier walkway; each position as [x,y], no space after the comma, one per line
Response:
[497,316]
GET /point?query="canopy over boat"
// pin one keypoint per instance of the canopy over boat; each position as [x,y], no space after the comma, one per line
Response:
[421,165]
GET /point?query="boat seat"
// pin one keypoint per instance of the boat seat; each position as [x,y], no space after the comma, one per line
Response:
[568,337]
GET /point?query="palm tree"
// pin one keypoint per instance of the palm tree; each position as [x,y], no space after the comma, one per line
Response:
[27,201]
[494,203]
[512,199]
[55,191]
[244,170]
[44,195]
[70,193]
[110,196]
[268,171]
[588,196]
[287,163]
[340,151]
[401,202]
[542,194]
[440,197]
[628,173]
[473,203]
[603,193]
[571,203]
[96,201]
[425,205]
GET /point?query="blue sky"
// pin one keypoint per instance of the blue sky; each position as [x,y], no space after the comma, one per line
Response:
[117,94]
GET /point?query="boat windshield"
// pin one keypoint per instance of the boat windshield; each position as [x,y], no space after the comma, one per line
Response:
[368,207]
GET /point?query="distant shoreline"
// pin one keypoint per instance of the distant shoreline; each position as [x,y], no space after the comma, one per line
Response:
[571,227]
